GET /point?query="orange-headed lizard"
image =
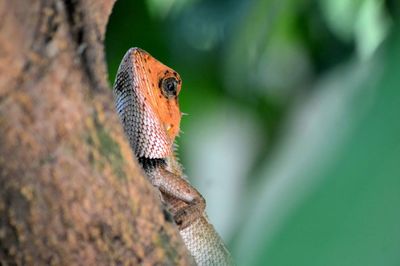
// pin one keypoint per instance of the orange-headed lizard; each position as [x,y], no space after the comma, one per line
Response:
[146,97]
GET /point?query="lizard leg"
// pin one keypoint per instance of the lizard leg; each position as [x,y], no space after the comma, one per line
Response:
[187,204]
[184,213]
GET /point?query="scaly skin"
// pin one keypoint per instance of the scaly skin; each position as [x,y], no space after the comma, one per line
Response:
[146,96]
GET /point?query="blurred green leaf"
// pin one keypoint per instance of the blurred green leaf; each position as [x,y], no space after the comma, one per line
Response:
[269,48]
[332,194]
[342,15]
[363,21]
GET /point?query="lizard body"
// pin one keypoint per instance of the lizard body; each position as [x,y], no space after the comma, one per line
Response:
[146,97]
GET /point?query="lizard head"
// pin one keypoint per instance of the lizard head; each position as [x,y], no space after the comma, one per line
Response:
[146,93]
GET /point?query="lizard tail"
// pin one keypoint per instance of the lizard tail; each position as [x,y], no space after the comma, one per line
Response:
[205,244]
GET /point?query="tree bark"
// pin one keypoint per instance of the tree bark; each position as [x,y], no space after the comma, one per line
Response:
[70,189]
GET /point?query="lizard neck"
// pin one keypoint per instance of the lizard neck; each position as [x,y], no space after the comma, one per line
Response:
[151,164]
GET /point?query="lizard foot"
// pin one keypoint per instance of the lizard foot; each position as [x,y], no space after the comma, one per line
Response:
[186,215]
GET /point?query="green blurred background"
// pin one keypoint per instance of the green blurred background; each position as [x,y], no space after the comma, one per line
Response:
[293,132]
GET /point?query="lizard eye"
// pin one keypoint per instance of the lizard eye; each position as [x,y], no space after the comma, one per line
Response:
[169,87]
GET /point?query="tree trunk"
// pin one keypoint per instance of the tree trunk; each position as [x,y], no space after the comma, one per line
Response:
[70,189]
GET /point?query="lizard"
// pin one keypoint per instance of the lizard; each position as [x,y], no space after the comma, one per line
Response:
[146,99]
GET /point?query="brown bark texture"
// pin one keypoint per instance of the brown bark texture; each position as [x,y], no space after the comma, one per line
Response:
[71,192]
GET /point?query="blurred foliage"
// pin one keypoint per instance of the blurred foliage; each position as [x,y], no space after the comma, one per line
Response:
[293,127]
